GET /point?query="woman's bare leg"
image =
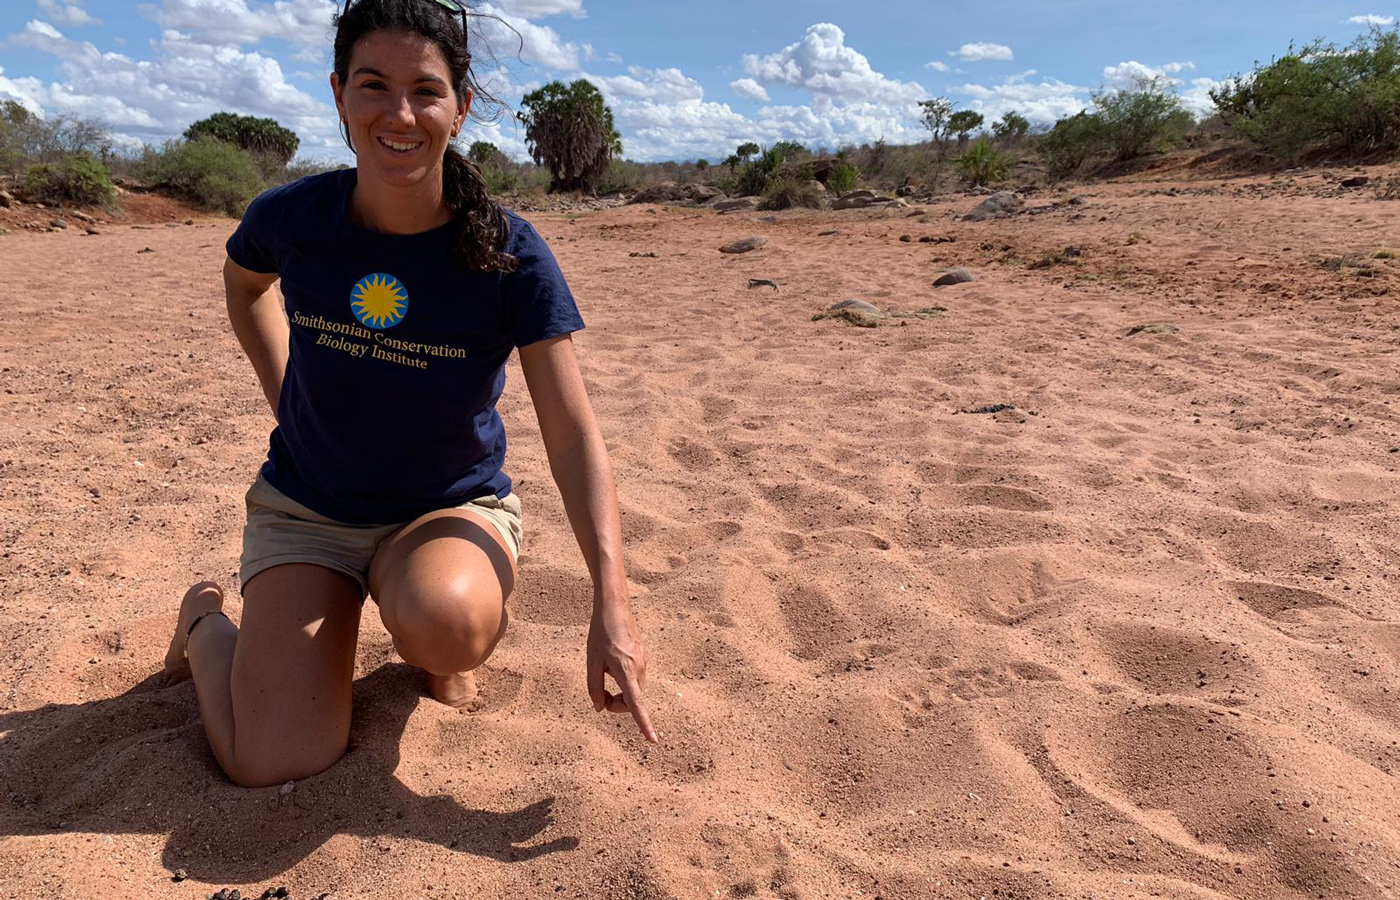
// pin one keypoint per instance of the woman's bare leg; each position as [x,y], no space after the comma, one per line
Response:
[275,694]
[441,583]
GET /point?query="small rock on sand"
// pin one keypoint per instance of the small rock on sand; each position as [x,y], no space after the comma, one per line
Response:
[1002,203]
[58,223]
[1356,181]
[1153,328]
[856,312]
[952,276]
[6,199]
[744,245]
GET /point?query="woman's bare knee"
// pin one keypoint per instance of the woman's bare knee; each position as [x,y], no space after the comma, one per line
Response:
[447,634]
[277,766]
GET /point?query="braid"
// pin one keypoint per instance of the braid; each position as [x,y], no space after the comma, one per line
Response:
[483,229]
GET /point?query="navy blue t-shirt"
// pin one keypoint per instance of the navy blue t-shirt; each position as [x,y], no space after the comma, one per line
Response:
[397,353]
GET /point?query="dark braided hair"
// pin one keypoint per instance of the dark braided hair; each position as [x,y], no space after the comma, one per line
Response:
[481,223]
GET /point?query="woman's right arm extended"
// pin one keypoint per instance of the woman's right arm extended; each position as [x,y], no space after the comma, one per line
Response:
[255,311]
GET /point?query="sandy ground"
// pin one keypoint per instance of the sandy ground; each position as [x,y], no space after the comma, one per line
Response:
[1137,636]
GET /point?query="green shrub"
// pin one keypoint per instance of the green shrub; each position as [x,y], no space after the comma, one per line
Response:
[27,139]
[983,164]
[78,179]
[1142,119]
[789,192]
[621,175]
[785,159]
[842,178]
[212,174]
[1320,99]
[1071,143]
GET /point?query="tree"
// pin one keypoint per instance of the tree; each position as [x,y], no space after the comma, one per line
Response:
[935,115]
[964,122]
[256,135]
[1011,127]
[746,150]
[1142,119]
[701,165]
[485,153]
[569,130]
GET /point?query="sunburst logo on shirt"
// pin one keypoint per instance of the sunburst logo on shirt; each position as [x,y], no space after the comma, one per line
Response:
[379,301]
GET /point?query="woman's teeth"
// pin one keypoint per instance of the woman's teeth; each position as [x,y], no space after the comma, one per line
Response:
[402,148]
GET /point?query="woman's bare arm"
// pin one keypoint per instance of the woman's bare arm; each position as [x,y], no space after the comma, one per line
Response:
[578,460]
[255,311]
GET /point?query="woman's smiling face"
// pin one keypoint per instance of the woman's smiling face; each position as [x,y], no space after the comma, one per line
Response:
[400,107]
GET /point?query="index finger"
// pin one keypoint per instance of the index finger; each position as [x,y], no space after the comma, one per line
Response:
[632,694]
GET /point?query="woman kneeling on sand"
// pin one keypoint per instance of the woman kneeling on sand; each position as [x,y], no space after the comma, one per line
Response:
[406,288]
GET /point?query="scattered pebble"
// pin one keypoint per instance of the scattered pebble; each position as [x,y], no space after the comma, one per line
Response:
[953,276]
[647,255]
[744,245]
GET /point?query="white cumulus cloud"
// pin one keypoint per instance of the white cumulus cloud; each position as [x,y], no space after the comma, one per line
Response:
[67,12]
[822,64]
[1042,101]
[937,66]
[983,50]
[236,22]
[1128,74]
[1372,19]
[750,89]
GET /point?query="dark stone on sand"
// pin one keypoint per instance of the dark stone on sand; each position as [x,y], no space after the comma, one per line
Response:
[989,410]
[744,245]
[146,250]
[1002,203]
[941,239]
[180,875]
[647,255]
[828,233]
[1356,181]
[954,276]
[58,223]
[906,239]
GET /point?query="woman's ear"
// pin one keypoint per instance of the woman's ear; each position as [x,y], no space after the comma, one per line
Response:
[337,91]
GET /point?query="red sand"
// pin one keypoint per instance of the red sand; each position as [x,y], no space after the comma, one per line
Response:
[1137,637]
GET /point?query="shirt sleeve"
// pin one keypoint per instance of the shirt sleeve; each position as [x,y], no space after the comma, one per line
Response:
[541,304]
[253,244]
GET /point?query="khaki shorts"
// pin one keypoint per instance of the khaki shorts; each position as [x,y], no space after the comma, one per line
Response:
[280,530]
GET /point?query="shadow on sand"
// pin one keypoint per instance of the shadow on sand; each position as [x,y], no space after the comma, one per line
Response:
[139,764]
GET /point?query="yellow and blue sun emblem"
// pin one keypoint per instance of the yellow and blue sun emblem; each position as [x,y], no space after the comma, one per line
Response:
[379,301]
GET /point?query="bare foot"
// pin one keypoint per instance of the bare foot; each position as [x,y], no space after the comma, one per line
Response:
[458,691]
[203,597]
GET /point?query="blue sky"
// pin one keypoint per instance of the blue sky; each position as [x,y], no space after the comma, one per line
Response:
[684,80]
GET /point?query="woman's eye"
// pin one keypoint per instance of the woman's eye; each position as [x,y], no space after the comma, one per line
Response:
[372,85]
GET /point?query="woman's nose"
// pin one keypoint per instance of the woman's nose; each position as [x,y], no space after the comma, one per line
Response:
[400,110]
